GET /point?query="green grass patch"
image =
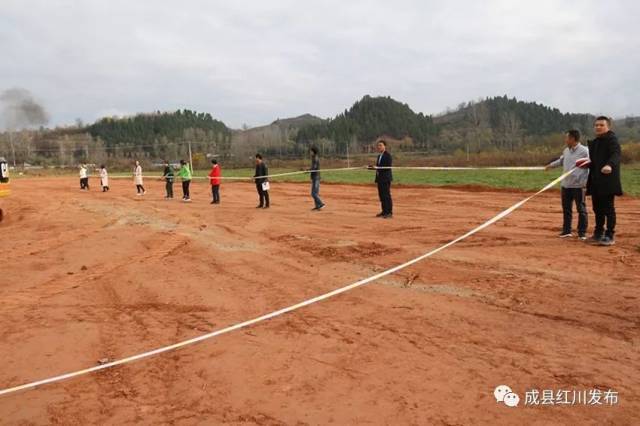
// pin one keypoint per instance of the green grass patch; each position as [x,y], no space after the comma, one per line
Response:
[527,180]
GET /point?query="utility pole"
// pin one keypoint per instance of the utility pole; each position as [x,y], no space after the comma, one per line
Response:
[190,157]
[348,161]
[13,148]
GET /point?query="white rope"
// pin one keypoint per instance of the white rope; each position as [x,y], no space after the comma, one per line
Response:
[460,168]
[299,172]
[283,310]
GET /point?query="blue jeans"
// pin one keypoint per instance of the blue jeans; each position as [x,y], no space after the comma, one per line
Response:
[315,192]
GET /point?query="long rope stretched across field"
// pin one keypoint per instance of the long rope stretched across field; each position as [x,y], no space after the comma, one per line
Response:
[344,169]
[287,309]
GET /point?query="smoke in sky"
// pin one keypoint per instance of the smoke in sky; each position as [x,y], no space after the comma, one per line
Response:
[20,110]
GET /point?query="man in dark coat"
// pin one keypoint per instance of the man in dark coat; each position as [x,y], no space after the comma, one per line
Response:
[315,179]
[384,176]
[262,182]
[604,180]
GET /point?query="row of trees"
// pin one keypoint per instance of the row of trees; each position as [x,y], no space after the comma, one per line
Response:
[117,141]
[487,125]
[162,134]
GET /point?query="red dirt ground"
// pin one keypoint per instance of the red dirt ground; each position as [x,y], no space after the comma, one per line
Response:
[88,276]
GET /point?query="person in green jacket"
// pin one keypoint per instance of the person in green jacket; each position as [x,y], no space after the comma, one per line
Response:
[185,175]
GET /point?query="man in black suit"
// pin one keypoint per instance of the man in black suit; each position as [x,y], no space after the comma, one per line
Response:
[384,177]
[261,171]
[604,180]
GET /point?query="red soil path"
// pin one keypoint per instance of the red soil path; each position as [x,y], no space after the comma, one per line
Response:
[88,276]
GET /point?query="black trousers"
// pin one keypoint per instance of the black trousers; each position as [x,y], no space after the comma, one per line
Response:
[215,191]
[140,188]
[169,188]
[84,183]
[605,211]
[575,196]
[264,195]
[384,193]
[185,189]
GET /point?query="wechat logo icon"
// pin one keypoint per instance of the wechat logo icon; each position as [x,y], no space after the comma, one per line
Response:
[504,394]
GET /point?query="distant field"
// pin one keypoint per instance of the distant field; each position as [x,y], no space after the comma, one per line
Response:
[522,180]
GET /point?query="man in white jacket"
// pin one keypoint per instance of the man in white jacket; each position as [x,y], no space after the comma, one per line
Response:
[574,185]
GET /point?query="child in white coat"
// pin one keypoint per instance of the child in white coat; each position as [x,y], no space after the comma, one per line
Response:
[104,178]
[84,179]
[137,178]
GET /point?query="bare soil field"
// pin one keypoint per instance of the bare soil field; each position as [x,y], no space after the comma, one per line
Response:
[86,276]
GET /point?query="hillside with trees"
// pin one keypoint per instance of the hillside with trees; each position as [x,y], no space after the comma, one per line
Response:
[487,126]
[367,120]
[498,123]
[161,134]
[503,123]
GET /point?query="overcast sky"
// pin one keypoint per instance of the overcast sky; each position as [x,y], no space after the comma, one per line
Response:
[255,61]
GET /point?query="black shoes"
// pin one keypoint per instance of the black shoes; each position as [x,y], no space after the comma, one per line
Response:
[606,241]
[595,239]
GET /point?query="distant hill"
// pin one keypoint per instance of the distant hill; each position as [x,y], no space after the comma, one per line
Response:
[275,138]
[367,120]
[298,122]
[502,112]
[496,123]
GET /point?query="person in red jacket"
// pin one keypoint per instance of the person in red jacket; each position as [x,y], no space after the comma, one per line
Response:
[214,177]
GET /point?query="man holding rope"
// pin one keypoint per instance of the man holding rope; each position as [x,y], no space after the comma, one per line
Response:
[185,176]
[573,186]
[604,180]
[262,183]
[315,179]
[384,177]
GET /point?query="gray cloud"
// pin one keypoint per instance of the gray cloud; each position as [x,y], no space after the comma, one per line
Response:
[254,61]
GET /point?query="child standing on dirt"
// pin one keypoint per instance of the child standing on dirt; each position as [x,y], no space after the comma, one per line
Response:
[104,178]
[84,180]
[214,177]
[168,177]
[185,175]
[137,178]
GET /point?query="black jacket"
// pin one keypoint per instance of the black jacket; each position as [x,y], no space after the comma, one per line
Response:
[315,168]
[384,175]
[261,170]
[604,150]
[168,174]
